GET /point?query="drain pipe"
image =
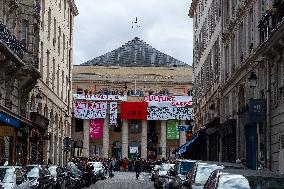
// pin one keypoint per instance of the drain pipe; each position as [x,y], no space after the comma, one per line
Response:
[268,117]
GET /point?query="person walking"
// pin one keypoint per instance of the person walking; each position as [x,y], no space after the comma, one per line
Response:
[137,167]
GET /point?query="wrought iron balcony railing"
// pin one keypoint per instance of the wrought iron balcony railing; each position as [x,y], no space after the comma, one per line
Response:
[271,21]
[10,40]
[37,8]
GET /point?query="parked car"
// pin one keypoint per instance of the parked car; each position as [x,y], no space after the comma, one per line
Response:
[59,177]
[39,177]
[176,176]
[244,179]
[99,170]
[162,171]
[198,176]
[13,178]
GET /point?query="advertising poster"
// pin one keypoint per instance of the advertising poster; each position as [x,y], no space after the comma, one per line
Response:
[172,131]
[113,113]
[96,128]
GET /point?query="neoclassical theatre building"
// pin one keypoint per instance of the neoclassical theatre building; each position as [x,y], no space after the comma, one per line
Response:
[132,101]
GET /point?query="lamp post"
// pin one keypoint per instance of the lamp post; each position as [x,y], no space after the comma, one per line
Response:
[212,109]
[39,97]
[252,80]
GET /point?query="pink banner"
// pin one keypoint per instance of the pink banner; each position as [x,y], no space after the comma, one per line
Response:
[96,128]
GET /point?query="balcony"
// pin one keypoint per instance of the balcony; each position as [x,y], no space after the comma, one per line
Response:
[271,21]
[37,8]
[10,40]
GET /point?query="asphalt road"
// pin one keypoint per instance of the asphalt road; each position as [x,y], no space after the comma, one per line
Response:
[125,180]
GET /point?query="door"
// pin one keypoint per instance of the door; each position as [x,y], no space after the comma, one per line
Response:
[251,146]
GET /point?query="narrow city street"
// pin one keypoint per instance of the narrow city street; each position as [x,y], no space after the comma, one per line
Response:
[122,180]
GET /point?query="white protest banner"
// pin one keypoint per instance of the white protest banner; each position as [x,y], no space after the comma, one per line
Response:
[100,97]
[182,113]
[113,113]
[168,113]
[90,110]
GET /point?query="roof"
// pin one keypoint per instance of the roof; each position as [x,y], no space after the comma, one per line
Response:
[225,164]
[193,6]
[136,53]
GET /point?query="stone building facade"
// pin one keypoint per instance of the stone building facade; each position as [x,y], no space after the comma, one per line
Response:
[18,76]
[50,100]
[245,104]
[121,76]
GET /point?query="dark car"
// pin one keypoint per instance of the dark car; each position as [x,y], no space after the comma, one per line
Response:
[244,179]
[39,177]
[198,176]
[13,178]
[59,177]
[176,176]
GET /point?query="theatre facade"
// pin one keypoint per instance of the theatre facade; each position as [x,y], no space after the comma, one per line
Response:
[131,105]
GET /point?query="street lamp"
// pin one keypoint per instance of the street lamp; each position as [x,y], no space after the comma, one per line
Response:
[66,117]
[39,97]
[212,109]
[252,80]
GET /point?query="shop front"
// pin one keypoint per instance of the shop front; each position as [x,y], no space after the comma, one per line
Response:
[38,136]
[13,140]
[227,133]
[213,139]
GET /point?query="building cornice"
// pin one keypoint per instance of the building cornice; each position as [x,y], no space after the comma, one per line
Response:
[73,7]
[193,6]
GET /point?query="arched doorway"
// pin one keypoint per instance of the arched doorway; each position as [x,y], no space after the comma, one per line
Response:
[117,150]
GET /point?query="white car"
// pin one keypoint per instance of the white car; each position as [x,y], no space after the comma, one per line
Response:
[99,169]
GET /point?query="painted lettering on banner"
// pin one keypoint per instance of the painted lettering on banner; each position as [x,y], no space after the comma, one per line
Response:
[100,97]
[113,113]
[153,98]
[168,113]
[90,110]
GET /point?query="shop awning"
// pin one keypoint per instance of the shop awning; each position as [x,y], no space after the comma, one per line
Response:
[183,148]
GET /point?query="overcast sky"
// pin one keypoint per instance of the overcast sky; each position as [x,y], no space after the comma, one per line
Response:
[104,25]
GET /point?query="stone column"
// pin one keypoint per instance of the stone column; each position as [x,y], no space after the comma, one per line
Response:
[106,137]
[144,139]
[182,136]
[124,132]
[163,139]
[86,139]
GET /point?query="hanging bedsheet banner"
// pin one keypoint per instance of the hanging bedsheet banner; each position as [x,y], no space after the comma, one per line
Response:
[96,128]
[113,113]
[165,111]
[90,110]
[134,110]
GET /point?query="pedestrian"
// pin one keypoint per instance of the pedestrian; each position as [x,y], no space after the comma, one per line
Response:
[111,167]
[137,167]
[125,164]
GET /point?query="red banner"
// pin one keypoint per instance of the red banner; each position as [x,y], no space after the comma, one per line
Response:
[134,110]
[96,128]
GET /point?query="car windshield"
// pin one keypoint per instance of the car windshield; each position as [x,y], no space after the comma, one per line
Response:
[7,175]
[204,171]
[97,165]
[185,167]
[233,182]
[52,170]
[33,172]
[166,167]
